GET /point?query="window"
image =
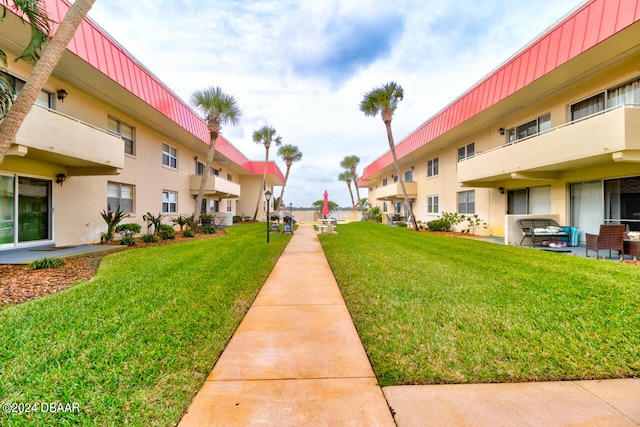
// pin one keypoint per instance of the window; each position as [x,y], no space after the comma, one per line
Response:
[384,207]
[169,156]
[384,182]
[395,179]
[432,204]
[120,195]
[169,202]
[229,205]
[467,202]
[587,107]
[229,178]
[466,151]
[408,176]
[123,131]
[628,93]
[44,99]
[622,202]
[534,127]
[432,167]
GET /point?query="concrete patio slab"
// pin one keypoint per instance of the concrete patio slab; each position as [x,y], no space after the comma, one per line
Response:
[546,404]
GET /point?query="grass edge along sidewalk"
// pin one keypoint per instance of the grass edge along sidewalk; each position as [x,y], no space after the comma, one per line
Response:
[135,344]
[440,309]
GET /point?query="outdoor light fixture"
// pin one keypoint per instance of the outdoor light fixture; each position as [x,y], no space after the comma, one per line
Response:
[62,94]
[501,131]
[60,178]
[267,195]
[501,190]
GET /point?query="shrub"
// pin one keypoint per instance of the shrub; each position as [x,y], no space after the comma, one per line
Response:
[166,232]
[112,219]
[128,240]
[154,221]
[181,221]
[188,233]
[374,214]
[439,225]
[206,218]
[402,224]
[208,229]
[236,219]
[43,263]
[149,238]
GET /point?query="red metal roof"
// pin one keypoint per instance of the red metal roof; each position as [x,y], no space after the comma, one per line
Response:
[96,48]
[594,22]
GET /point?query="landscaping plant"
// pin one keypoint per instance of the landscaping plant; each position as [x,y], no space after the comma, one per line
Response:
[112,219]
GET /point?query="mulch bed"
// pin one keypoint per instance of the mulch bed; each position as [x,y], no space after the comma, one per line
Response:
[18,283]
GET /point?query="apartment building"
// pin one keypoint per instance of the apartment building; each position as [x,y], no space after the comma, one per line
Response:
[105,132]
[553,132]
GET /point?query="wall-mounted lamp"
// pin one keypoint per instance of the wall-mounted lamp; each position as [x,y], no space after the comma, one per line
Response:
[501,131]
[501,190]
[62,94]
[195,159]
[60,178]
[412,168]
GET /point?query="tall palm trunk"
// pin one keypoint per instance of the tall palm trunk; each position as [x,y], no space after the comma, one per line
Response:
[286,178]
[392,146]
[213,136]
[355,183]
[51,55]
[264,180]
[353,203]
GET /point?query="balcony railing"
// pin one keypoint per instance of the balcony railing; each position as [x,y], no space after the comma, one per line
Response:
[603,137]
[215,187]
[393,191]
[51,136]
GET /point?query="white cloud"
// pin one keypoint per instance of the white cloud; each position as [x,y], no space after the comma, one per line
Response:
[302,66]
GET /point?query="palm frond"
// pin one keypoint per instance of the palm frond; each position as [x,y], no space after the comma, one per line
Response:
[35,13]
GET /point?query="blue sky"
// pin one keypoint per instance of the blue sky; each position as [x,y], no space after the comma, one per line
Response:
[303,66]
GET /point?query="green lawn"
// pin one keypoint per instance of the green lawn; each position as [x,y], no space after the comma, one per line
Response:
[134,345]
[441,309]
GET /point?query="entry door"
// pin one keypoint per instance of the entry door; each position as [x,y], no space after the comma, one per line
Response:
[34,209]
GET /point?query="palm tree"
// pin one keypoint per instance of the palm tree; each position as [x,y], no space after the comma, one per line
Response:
[265,136]
[384,100]
[289,154]
[219,109]
[346,177]
[50,57]
[351,163]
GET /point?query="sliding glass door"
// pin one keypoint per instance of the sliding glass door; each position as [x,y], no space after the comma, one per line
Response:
[586,207]
[25,210]
[7,209]
[34,209]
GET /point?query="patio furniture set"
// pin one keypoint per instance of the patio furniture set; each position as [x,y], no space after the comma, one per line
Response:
[610,236]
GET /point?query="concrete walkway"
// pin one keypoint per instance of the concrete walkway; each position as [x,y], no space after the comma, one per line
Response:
[296,359]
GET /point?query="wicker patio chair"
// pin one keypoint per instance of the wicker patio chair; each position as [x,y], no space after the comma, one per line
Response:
[610,237]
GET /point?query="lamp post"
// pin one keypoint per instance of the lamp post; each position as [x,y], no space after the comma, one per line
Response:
[267,196]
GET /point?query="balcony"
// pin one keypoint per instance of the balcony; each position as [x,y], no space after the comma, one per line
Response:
[52,137]
[393,192]
[216,187]
[598,140]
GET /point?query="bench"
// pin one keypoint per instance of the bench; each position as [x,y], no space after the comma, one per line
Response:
[541,229]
